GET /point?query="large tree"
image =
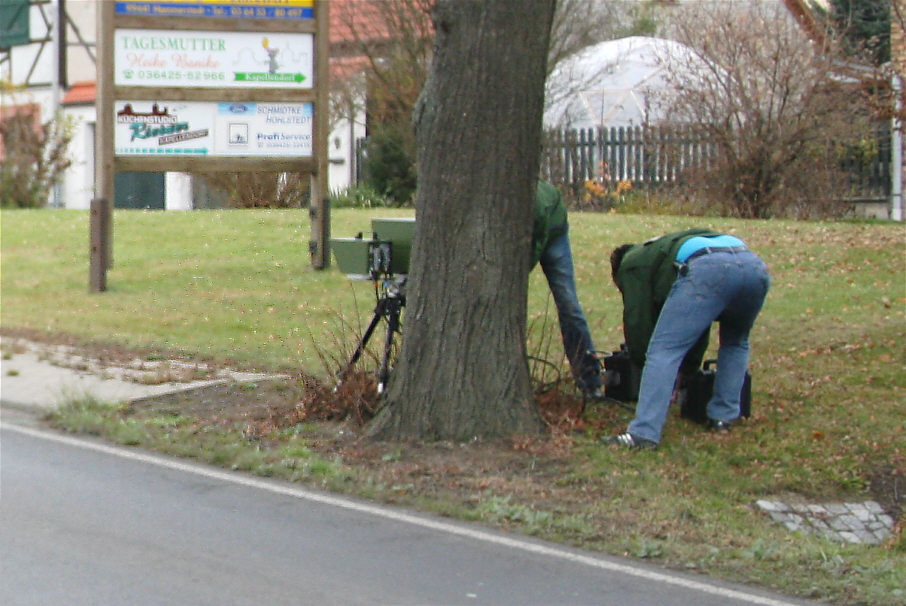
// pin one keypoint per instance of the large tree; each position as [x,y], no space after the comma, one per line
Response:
[462,372]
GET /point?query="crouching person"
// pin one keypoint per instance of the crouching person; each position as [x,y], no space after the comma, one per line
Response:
[673,288]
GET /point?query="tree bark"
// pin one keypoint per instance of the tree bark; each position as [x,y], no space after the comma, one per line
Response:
[462,371]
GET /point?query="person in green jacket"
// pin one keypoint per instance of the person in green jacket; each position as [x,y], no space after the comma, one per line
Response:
[673,288]
[550,248]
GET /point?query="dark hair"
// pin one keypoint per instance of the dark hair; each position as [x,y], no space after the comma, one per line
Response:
[616,259]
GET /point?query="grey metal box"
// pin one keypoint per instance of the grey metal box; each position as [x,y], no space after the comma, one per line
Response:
[352,256]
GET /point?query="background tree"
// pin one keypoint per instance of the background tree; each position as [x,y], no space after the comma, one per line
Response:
[864,26]
[463,372]
[386,51]
[579,24]
[870,30]
[779,115]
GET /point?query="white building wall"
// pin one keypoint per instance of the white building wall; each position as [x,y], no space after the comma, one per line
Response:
[77,189]
[178,191]
[341,152]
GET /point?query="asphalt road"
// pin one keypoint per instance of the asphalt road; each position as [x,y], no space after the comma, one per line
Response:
[86,523]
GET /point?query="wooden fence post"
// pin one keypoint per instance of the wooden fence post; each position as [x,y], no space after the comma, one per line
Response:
[98,254]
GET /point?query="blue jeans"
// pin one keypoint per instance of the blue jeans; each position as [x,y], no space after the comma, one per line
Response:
[557,264]
[724,286]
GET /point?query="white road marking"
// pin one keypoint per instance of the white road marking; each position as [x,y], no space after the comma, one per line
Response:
[389,514]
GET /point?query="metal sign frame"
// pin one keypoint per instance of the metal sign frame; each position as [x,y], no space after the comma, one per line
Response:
[273,18]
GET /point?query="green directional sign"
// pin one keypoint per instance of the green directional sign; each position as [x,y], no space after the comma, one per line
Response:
[268,77]
[14,23]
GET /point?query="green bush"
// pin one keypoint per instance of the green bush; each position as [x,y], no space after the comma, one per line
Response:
[390,166]
[362,196]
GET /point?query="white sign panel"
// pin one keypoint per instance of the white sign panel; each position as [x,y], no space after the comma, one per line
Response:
[199,59]
[177,128]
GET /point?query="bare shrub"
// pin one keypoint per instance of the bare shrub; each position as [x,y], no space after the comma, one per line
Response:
[260,189]
[33,157]
[778,112]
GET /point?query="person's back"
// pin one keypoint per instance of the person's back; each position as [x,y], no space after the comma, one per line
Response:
[645,273]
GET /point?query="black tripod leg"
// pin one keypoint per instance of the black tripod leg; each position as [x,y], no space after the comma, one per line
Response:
[393,325]
[378,312]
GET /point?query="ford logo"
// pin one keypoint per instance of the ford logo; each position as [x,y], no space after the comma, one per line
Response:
[238,108]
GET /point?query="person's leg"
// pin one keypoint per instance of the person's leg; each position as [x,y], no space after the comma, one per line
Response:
[693,303]
[750,283]
[557,264]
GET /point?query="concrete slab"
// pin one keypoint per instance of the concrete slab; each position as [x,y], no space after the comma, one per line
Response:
[41,378]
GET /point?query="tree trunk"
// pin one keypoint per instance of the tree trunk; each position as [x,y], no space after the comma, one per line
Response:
[462,371]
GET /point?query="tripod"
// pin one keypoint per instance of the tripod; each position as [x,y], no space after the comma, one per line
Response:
[389,306]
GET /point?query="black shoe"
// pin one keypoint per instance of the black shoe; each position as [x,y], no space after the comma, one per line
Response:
[630,441]
[719,426]
[594,395]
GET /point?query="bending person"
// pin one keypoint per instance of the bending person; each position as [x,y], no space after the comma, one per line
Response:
[673,288]
[550,247]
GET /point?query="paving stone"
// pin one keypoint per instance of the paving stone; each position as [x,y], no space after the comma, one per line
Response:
[849,536]
[860,512]
[874,507]
[793,525]
[866,537]
[820,524]
[838,524]
[882,535]
[833,536]
[857,522]
[852,521]
[777,516]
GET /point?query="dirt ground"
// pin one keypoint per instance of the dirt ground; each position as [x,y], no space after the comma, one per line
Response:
[335,427]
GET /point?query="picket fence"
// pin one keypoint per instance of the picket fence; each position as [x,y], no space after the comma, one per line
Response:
[643,156]
[651,157]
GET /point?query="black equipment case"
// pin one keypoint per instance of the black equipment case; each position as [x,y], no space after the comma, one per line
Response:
[697,393]
[621,376]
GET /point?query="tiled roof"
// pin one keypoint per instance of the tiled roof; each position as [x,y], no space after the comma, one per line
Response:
[352,20]
[342,68]
[80,93]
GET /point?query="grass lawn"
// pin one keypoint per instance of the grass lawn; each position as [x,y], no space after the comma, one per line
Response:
[828,371]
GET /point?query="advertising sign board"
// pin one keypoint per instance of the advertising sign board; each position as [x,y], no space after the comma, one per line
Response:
[194,128]
[198,59]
